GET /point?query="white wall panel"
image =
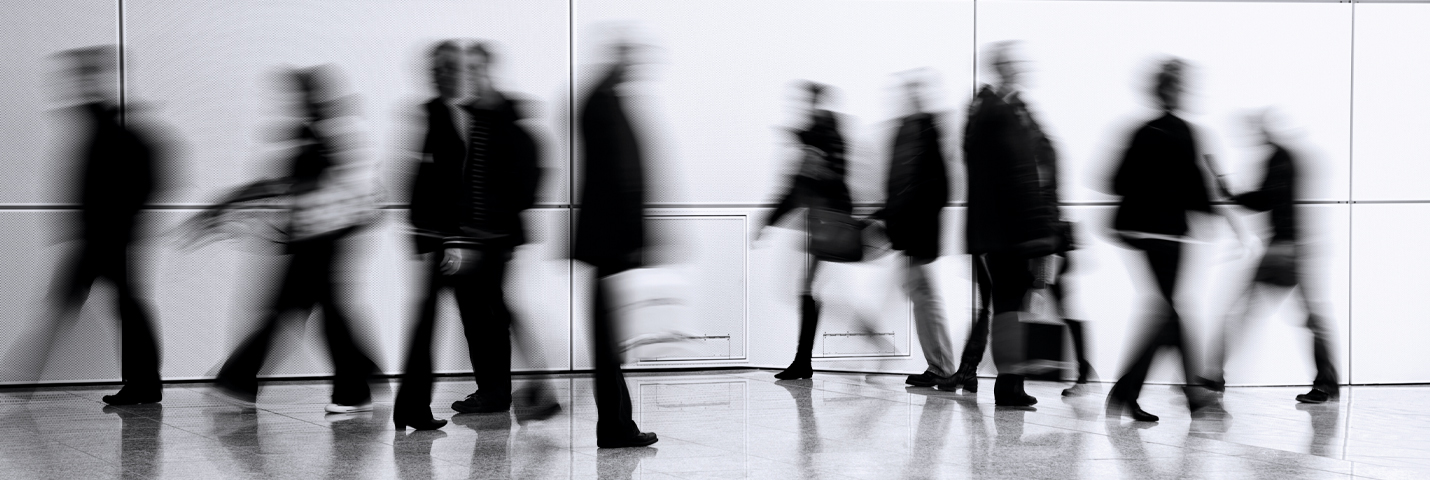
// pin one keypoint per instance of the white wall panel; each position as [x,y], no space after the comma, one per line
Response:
[1391,71]
[34,143]
[716,103]
[1389,291]
[1091,65]
[206,68]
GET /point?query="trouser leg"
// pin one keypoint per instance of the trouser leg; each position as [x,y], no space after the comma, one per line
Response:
[1011,274]
[486,321]
[977,341]
[415,392]
[929,321]
[613,399]
[1164,258]
[139,345]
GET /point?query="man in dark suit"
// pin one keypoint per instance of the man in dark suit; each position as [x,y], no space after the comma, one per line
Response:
[917,190]
[610,235]
[1012,220]
[117,179]
[480,171]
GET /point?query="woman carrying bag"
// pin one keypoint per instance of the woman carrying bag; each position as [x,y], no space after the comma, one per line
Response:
[833,235]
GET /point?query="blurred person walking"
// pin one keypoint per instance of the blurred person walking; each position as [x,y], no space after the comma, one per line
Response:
[611,236]
[819,188]
[1281,268]
[324,210]
[479,170]
[118,175]
[1160,180]
[1013,224]
[916,192]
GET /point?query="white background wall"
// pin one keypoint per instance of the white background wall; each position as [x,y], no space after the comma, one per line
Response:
[711,106]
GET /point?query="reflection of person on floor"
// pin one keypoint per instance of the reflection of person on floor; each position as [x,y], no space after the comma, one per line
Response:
[1160,181]
[321,219]
[819,184]
[917,190]
[491,452]
[117,178]
[802,392]
[478,173]
[1013,220]
[610,236]
[140,444]
[1281,269]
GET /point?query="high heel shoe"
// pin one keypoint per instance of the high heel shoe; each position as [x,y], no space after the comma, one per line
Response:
[795,372]
[428,423]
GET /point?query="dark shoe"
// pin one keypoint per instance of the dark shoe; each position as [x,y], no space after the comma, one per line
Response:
[965,379]
[1008,392]
[1116,408]
[796,371]
[475,403]
[1316,395]
[537,404]
[417,421]
[638,440]
[127,396]
[926,379]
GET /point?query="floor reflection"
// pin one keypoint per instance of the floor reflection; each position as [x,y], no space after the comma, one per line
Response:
[740,424]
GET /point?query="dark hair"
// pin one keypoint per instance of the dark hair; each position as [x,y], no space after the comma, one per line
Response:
[816,91]
[91,60]
[1169,78]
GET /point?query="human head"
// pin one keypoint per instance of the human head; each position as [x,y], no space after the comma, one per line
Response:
[479,62]
[93,71]
[914,89]
[1005,61]
[1168,85]
[817,93]
[447,69]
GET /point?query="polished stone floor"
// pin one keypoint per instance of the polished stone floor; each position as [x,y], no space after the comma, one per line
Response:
[723,424]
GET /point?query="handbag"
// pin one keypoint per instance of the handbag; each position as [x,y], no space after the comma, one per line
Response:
[835,236]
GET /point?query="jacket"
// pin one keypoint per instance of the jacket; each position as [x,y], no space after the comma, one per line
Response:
[1012,205]
[442,196]
[917,188]
[1160,180]
[829,192]
[610,228]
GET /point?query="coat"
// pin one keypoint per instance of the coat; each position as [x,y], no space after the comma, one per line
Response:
[917,188]
[441,192]
[610,225]
[1010,207]
[1160,179]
